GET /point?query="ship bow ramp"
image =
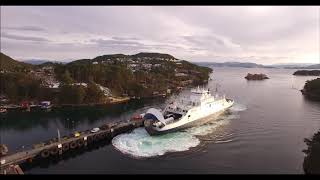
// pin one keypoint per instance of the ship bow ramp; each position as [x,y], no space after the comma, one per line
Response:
[153,114]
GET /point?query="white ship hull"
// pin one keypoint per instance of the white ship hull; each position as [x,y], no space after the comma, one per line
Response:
[195,116]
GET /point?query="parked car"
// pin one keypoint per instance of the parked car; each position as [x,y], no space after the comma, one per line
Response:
[76,134]
[94,130]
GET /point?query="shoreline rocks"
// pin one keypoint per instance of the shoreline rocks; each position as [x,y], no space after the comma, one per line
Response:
[311,163]
[256,76]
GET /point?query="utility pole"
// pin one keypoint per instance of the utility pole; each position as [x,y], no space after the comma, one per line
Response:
[58,135]
[319,35]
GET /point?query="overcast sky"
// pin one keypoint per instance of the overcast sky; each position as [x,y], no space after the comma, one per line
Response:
[262,34]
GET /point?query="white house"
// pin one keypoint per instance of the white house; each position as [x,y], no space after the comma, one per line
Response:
[181,75]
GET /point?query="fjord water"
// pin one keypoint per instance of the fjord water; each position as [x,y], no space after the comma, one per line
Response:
[262,133]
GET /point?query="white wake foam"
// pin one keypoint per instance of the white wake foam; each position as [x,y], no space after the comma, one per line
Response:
[140,144]
[238,107]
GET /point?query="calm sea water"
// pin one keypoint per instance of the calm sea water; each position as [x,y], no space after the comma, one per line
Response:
[262,133]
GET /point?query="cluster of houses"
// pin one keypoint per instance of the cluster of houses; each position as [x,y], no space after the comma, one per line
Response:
[141,66]
[47,76]
[137,63]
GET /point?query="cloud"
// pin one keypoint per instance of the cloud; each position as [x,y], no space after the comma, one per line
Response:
[211,44]
[191,32]
[25,28]
[125,38]
[23,38]
[108,42]
[132,43]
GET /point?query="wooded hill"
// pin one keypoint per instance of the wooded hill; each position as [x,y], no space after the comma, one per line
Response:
[139,75]
[9,64]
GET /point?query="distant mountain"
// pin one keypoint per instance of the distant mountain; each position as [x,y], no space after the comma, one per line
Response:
[35,61]
[9,64]
[291,65]
[315,66]
[233,64]
[81,61]
[153,55]
[43,61]
[254,65]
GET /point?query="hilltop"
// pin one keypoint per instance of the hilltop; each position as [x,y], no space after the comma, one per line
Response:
[153,55]
[122,58]
[9,64]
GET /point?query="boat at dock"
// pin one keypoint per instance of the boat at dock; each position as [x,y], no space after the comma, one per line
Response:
[200,107]
[45,105]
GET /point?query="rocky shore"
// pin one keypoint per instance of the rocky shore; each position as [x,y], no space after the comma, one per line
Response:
[311,163]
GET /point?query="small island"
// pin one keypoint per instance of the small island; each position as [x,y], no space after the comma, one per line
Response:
[307,73]
[256,76]
[311,89]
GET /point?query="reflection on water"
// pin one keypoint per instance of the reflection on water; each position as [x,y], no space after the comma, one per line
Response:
[27,120]
[39,127]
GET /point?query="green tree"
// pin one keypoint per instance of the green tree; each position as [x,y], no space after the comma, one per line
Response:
[11,90]
[70,94]
[94,93]
[66,78]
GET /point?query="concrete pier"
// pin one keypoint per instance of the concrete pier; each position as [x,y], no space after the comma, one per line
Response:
[10,163]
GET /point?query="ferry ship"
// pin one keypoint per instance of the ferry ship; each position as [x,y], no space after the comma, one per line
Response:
[200,107]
